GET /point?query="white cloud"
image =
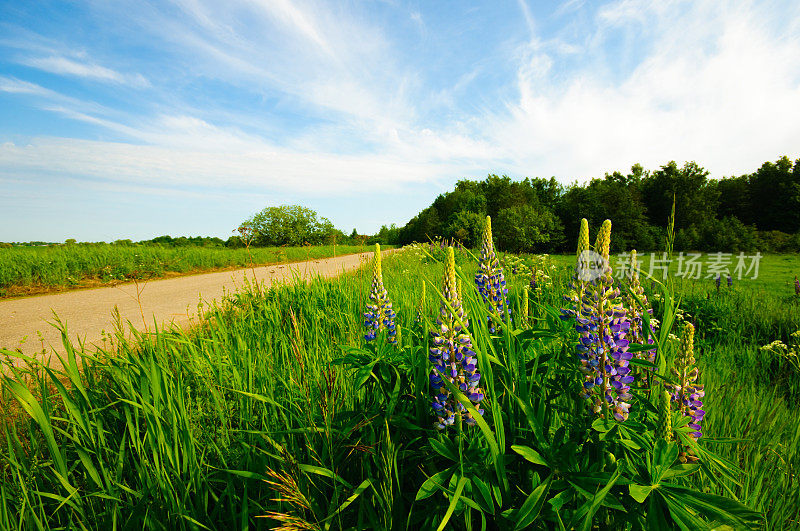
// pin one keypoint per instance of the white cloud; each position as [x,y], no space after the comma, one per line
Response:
[261,168]
[66,66]
[720,87]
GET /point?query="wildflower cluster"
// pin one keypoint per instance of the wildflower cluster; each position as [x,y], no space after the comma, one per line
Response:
[452,356]
[636,304]
[379,315]
[601,322]
[687,394]
[490,280]
[578,283]
[790,353]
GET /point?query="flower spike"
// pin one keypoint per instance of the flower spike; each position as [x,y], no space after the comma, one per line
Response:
[379,315]
[452,356]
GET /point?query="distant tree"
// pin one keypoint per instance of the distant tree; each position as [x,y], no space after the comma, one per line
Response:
[70,241]
[526,229]
[696,202]
[775,196]
[234,242]
[734,198]
[289,225]
[466,227]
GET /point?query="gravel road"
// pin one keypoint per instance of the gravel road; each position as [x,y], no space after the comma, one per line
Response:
[87,313]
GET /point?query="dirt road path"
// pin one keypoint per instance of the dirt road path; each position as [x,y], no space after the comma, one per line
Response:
[87,313]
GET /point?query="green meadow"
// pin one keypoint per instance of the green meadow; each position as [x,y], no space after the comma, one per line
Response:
[61,266]
[277,414]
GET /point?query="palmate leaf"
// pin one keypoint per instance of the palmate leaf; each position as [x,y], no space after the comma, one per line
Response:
[715,507]
[591,506]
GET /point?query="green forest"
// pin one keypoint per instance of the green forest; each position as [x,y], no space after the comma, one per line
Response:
[757,211]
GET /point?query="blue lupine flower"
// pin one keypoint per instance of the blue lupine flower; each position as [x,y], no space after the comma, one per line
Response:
[602,348]
[636,304]
[452,356]
[379,315]
[490,280]
[687,394]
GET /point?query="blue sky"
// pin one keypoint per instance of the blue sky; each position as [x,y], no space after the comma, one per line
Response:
[131,119]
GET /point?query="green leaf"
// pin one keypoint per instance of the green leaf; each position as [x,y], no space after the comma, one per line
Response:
[434,483]
[443,449]
[350,499]
[680,471]
[461,482]
[532,506]
[484,497]
[641,492]
[530,454]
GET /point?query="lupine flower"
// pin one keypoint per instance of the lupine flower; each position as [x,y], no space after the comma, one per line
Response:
[717,281]
[603,350]
[687,394]
[796,286]
[635,309]
[730,281]
[533,279]
[379,315]
[490,280]
[452,356]
[578,284]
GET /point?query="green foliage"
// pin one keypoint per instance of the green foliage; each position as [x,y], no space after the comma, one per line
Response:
[289,225]
[757,211]
[526,229]
[66,265]
[275,412]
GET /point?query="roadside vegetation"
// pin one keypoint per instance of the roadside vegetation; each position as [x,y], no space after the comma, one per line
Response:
[283,234]
[30,270]
[283,411]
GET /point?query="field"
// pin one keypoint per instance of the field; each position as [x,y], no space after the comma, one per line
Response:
[28,270]
[277,412]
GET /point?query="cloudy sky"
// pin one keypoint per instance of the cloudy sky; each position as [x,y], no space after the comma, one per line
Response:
[131,119]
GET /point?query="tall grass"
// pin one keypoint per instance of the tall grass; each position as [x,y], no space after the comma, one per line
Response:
[276,413]
[66,265]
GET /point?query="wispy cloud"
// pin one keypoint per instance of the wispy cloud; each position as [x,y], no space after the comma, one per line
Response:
[719,86]
[308,98]
[71,67]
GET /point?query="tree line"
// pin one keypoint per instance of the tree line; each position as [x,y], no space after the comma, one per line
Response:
[756,211]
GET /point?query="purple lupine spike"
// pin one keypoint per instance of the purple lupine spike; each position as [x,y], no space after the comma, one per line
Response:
[379,315]
[687,394]
[602,324]
[796,286]
[717,281]
[636,304]
[452,356]
[730,281]
[490,280]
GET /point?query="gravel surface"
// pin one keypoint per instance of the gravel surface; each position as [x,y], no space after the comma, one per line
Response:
[25,323]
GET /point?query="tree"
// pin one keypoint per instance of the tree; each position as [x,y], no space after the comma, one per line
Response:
[525,229]
[288,225]
[695,201]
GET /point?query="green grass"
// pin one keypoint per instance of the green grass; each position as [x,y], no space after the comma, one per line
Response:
[276,412]
[72,265]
